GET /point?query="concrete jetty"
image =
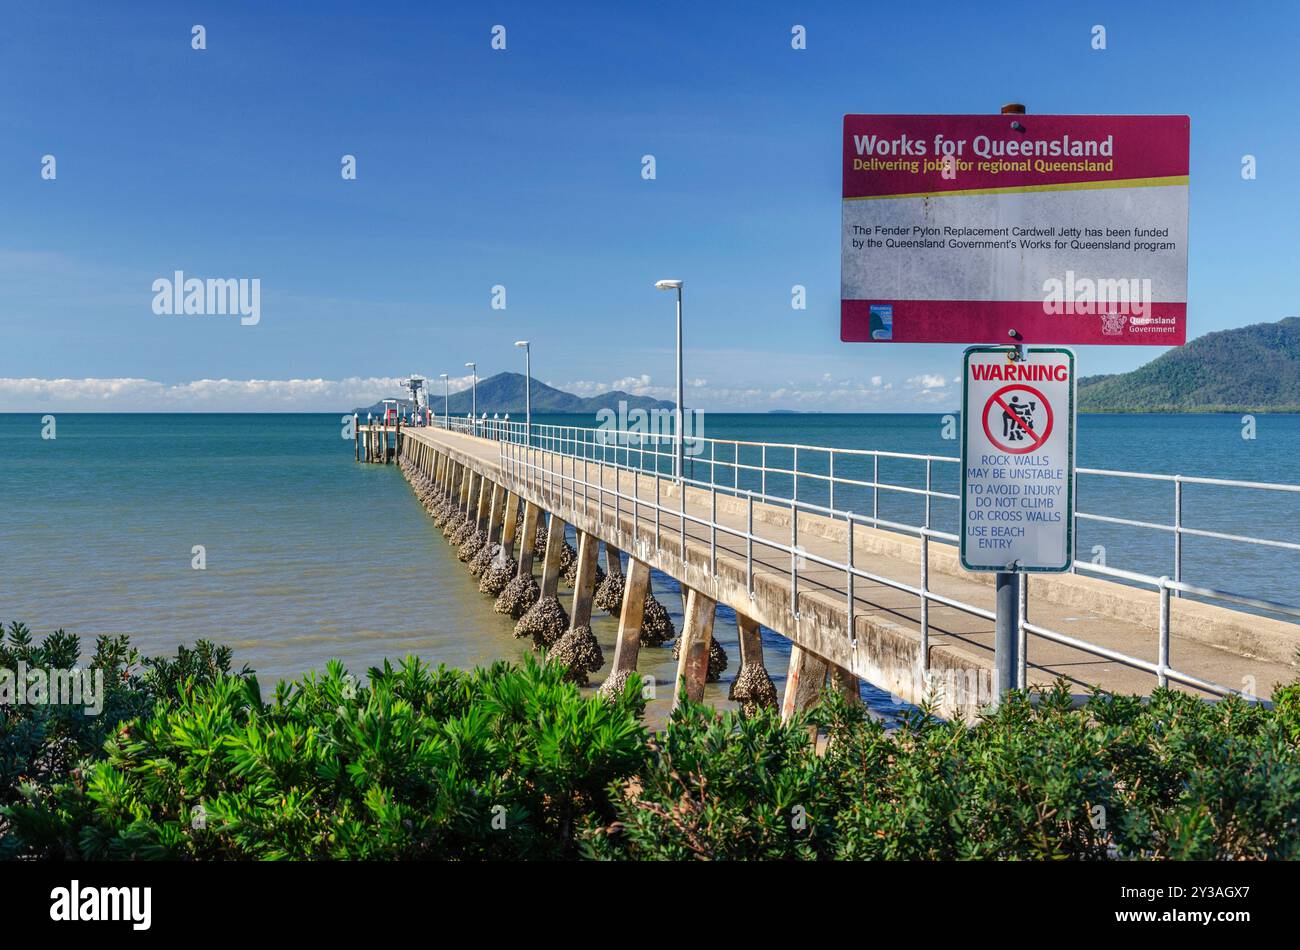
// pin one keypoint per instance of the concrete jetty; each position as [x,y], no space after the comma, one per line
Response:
[783,568]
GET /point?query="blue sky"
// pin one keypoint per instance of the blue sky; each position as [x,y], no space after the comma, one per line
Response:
[523,168]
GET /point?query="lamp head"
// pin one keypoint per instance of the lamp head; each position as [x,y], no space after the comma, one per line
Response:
[523,343]
[668,284]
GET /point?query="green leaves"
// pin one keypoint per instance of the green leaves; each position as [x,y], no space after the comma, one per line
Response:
[188,761]
[1118,777]
[501,762]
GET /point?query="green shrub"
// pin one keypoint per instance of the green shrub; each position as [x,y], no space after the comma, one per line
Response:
[497,763]
[1119,777]
[188,760]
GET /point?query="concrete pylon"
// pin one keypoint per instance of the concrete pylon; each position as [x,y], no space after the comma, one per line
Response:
[635,590]
[803,682]
[693,660]
[528,538]
[510,526]
[550,584]
[584,587]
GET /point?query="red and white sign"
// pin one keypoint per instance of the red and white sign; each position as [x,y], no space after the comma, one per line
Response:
[1065,229]
[1017,459]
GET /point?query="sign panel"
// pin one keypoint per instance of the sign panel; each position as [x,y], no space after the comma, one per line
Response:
[1017,459]
[1063,229]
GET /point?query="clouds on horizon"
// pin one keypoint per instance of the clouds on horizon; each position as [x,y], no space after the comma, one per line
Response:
[201,395]
[133,394]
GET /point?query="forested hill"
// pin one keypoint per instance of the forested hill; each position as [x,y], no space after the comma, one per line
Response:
[1254,368]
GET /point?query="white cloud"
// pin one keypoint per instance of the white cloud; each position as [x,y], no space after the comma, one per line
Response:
[926,381]
[641,385]
[130,394]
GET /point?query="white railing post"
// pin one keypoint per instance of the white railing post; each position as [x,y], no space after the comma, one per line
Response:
[1178,531]
[794,560]
[831,470]
[713,531]
[875,489]
[749,548]
[925,603]
[1162,661]
[848,579]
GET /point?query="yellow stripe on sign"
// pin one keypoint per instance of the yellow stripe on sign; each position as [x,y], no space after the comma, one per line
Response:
[1062,186]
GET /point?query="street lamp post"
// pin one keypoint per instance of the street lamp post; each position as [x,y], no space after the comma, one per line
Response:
[528,391]
[446,399]
[473,399]
[681,449]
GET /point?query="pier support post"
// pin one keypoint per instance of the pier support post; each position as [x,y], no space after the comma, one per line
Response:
[613,559]
[356,437]
[584,581]
[635,588]
[497,514]
[803,682]
[510,526]
[845,682]
[551,564]
[693,660]
[528,539]
[751,641]
[466,488]
[484,497]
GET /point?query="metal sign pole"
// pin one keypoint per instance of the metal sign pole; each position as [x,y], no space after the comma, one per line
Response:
[1006,626]
[1006,636]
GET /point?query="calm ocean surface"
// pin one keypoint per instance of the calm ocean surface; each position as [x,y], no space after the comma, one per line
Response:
[312,556]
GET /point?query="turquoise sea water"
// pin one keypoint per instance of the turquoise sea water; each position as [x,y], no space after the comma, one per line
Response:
[311,556]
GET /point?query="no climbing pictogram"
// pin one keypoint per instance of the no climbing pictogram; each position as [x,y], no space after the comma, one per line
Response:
[1018,419]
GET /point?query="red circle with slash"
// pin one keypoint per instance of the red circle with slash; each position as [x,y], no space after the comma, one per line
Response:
[1036,438]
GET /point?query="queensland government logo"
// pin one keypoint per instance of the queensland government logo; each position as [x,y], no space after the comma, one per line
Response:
[1112,324]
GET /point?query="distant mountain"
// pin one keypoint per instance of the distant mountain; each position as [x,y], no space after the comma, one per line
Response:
[1254,368]
[504,393]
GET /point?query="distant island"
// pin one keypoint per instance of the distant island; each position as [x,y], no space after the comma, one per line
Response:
[1248,369]
[504,393]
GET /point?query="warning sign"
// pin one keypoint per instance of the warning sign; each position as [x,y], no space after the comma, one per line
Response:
[1017,459]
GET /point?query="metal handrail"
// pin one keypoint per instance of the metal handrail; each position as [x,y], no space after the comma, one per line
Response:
[526,468]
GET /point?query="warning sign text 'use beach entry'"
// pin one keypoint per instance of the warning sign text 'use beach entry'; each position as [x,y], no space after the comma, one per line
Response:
[1017,459]
[1051,229]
